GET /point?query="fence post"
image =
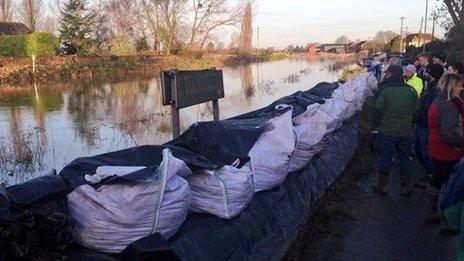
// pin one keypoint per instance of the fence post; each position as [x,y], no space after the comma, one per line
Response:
[33,64]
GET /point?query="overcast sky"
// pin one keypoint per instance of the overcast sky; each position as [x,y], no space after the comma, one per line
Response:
[299,22]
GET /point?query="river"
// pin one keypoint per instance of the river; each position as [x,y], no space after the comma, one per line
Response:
[45,126]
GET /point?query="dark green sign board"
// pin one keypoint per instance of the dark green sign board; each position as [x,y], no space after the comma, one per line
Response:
[183,89]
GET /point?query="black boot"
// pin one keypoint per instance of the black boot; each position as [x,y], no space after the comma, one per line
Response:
[405,186]
[432,210]
[382,183]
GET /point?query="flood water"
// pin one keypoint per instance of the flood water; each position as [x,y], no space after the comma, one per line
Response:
[47,125]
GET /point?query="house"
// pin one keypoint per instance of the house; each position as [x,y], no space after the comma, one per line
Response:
[362,46]
[12,28]
[418,40]
[313,49]
[333,48]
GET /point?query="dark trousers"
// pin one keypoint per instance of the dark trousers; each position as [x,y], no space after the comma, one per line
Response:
[421,136]
[389,146]
[440,175]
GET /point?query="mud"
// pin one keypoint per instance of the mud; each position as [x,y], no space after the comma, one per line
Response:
[353,222]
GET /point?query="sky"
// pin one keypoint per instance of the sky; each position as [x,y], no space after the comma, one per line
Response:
[299,22]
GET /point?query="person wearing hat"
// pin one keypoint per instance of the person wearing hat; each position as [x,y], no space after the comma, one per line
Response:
[439,58]
[456,68]
[424,61]
[412,79]
[395,106]
[421,131]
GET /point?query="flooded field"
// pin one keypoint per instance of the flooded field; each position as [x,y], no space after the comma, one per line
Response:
[47,125]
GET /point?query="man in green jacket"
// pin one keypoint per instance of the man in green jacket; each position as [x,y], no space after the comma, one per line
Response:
[412,79]
[395,106]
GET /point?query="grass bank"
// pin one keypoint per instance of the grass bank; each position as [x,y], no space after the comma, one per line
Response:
[16,71]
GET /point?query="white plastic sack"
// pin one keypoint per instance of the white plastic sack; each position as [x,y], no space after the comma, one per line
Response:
[111,217]
[317,114]
[224,192]
[270,156]
[307,136]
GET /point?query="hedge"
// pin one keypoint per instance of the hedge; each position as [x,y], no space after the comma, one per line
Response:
[13,45]
[40,44]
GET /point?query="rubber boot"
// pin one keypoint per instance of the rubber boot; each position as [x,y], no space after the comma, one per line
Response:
[381,186]
[423,181]
[445,228]
[405,186]
[432,210]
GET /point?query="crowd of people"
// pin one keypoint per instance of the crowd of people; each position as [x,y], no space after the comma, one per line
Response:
[419,112]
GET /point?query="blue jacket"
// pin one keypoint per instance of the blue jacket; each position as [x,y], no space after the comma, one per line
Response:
[428,96]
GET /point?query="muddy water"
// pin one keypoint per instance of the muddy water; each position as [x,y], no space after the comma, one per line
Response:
[48,125]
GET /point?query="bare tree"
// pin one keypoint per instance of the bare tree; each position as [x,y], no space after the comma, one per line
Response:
[49,24]
[150,12]
[209,15]
[6,11]
[121,15]
[246,29]
[455,9]
[171,13]
[32,13]
[384,37]
[343,40]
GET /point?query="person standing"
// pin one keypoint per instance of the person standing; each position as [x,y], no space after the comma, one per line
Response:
[412,79]
[456,68]
[395,105]
[424,61]
[439,58]
[446,142]
[421,131]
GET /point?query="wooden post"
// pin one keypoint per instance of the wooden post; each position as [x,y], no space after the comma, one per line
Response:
[175,109]
[175,122]
[216,110]
[33,64]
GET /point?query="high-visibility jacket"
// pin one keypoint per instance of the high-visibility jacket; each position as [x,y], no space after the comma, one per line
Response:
[416,83]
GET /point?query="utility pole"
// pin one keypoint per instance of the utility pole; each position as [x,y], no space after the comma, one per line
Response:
[401,34]
[434,19]
[425,23]
[422,24]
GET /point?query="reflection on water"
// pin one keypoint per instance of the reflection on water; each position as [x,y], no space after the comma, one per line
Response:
[46,126]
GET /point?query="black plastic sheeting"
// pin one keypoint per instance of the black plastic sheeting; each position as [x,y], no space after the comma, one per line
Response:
[299,101]
[34,221]
[260,231]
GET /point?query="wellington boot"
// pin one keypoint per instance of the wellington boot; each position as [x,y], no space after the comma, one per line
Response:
[405,186]
[423,181]
[432,210]
[381,186]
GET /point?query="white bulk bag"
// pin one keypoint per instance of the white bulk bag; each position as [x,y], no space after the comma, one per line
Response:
[224,192]
[270,156]
[307,136]
[110,218]
[338,110]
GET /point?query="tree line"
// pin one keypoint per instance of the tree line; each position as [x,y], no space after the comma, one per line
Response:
[126,26]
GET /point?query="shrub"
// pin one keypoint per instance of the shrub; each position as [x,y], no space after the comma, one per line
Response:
[13,45]
[42,44]
[121,45]
[142,45]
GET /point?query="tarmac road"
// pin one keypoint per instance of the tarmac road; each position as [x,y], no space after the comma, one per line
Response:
[353,222]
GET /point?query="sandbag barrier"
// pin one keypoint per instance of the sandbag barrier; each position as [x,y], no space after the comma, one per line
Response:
[318,127]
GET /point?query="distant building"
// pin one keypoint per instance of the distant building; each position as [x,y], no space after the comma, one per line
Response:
[362,46]
[313,49]
[418,40]
[11,28]
[333,48]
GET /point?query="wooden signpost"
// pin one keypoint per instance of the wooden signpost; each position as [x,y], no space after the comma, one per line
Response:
[182,89]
